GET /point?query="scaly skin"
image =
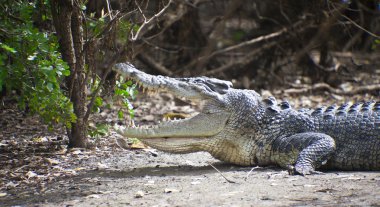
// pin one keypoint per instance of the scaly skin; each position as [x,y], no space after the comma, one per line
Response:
[240,127]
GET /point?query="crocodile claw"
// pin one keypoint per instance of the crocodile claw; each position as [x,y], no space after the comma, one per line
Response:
[292,170]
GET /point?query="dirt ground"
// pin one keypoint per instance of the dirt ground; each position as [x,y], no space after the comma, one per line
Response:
[36,172]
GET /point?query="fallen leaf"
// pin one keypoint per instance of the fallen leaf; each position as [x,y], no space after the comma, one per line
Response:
[137,145]
[195,183]
[52,161]
[31,174]
[39,139]
[76,152]
[3,145]
[102,166]
[93,196]
[3,194]
[79,168]
[11,184]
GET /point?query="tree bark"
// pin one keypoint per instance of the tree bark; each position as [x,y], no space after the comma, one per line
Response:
[69,27]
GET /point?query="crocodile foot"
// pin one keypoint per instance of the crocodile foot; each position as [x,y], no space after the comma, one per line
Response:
[302,170]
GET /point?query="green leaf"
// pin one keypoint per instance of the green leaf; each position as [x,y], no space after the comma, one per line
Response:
[129,83]
[120,114]
[65,72]
[7,48]
[50,87]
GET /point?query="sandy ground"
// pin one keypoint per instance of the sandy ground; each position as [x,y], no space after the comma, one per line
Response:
[111,176]
[140,178]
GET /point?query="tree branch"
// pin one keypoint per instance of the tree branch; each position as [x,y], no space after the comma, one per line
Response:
[107,69]
[148,21]
[257,40]
[152,63]
[247,59]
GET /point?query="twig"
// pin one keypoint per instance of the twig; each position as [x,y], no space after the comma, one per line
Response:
[109,26]
[360,27]
[246,59]
[228,180]
[109,9]
[147,21]
[20,168]
[218,27]
[150,62]
[254,168]
[108,68]
[321,35]
[255,40]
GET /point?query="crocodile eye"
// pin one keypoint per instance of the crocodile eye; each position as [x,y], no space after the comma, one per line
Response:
[216,87]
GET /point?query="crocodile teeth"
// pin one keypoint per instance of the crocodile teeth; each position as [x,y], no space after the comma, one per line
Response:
[132,124]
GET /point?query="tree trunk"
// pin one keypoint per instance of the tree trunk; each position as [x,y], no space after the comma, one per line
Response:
[68,24]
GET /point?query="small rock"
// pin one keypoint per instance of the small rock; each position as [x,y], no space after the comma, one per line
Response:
[170,190]
[150,182]
[195,183]
[122,143]
[139,194]
[93,196]
[148,118]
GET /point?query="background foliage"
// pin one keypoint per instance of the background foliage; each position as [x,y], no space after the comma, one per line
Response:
[257,44]
[31,63]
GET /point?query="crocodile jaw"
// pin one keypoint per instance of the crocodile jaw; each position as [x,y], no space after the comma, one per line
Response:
[187,135]
[201,125]
[180,136]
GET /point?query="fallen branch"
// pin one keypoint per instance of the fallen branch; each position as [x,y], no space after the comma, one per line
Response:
[257,40]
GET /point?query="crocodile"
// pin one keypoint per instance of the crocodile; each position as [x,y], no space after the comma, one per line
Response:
[239,126]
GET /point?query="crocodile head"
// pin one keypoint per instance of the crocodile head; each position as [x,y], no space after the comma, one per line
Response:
[203,132]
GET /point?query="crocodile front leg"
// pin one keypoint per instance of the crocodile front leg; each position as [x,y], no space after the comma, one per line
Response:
[304,152]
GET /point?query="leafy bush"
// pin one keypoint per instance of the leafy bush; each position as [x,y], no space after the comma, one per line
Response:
[31,64]
[125,90]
